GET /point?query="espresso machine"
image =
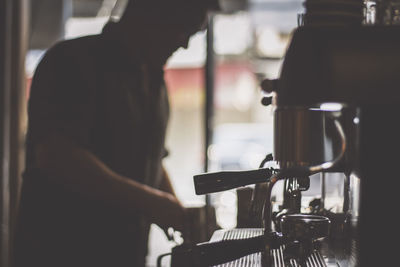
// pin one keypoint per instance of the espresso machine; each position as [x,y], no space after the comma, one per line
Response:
[335,110]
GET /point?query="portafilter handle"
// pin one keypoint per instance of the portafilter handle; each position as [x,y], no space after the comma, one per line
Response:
[220,181]
[214,253]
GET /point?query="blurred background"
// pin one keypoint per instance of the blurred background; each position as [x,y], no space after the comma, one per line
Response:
[247,43]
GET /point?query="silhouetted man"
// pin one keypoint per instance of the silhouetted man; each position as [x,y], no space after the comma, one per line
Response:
[98,112]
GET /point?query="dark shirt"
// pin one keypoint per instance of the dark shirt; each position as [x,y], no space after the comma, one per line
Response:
[89,90]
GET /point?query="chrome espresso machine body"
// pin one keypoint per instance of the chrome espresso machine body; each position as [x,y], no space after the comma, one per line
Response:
[339,83]
[358,67]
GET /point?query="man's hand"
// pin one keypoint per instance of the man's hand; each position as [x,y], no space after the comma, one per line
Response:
[169,212]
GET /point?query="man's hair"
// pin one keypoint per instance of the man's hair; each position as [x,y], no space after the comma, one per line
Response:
[170,8]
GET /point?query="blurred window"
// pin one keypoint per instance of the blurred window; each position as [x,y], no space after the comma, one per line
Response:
[249,46]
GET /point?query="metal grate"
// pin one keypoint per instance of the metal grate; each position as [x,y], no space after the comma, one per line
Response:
[315,260]
[254,260]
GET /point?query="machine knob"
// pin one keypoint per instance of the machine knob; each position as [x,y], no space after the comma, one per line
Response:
[266,101]
[302,227]
[269,86]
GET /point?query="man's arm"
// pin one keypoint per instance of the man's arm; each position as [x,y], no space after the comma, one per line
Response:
[166,184]
[81,171]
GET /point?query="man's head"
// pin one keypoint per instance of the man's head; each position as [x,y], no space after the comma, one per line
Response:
[162,26]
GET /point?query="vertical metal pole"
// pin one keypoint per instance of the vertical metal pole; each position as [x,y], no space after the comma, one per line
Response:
[5,92]
[209,99]
[209,109]
[13,45]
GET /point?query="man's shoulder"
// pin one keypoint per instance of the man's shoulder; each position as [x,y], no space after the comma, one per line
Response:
[68,54]
[74,48]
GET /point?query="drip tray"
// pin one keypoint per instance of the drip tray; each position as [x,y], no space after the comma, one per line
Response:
[254,260]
